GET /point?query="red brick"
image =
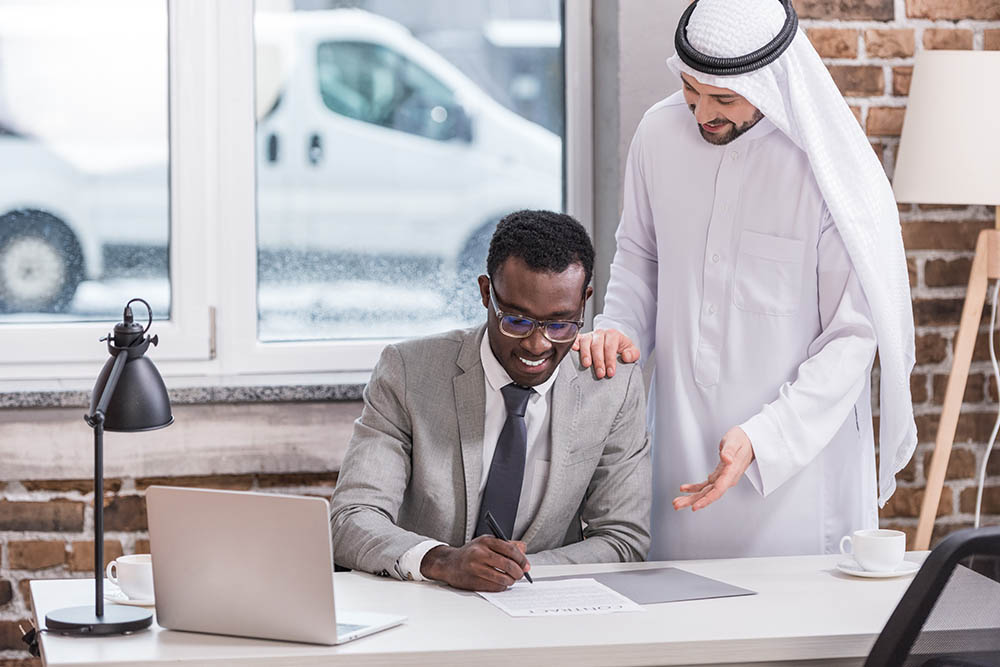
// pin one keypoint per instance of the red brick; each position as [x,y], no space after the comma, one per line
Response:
[81,556]
[909,471]
[974,389]
[947,272]
[954,10]
[918,388]
[24,587]
[141,546]
[961,464]
[885,121]
[939,235]
[993,466]
[326,478]
[879,149]
[991,40]
[834,42]
[973,427]
[901,76]
[10,636]
[858,80]
[229,482]
[931,348]
[991,389]
[898,43]
[911,270]
[946,38]
[53,515]
[6,592]
[857,114]
[942,207]
[991,500]
[873,10]
[35,554]
[65,485]
[931,312]
[125,513]
[905,502]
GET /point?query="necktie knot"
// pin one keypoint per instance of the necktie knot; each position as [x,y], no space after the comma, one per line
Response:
[515,397]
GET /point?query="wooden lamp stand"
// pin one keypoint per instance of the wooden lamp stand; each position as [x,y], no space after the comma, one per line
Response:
[985,267]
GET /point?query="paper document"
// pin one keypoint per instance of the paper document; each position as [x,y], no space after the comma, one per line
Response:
[560,598]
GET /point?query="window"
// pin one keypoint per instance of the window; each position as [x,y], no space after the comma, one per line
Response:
[318,182]
[374,84]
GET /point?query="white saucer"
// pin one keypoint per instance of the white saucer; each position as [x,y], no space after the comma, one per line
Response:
[114,594]
[851,567]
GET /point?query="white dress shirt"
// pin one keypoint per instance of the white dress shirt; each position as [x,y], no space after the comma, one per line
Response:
[731,270]
[536,460]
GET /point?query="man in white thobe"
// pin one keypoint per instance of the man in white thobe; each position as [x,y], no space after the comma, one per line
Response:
[760,259]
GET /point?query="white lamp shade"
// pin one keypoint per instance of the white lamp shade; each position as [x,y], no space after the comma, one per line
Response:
[949,152]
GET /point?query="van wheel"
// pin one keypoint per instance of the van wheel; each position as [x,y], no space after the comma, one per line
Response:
[41,263]
[471,265]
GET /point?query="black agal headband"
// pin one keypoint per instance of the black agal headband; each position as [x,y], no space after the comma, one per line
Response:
[740,64]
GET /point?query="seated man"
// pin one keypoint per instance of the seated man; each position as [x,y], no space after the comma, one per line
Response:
[498,418]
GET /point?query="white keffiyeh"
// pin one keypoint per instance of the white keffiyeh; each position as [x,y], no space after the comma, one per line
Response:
[797,94]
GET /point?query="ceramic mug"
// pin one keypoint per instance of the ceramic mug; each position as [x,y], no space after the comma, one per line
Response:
[133,575]
[876,550]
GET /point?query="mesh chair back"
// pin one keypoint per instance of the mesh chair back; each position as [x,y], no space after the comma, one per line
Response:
[950,614]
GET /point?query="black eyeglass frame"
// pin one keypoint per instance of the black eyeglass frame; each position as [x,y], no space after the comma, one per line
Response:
[535,324]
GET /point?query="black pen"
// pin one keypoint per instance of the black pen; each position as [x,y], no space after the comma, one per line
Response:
[498,533]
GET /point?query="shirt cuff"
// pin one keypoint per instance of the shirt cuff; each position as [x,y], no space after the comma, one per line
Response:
[408,565]
[765,439]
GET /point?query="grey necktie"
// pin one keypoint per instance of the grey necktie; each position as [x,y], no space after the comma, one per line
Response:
[503,485]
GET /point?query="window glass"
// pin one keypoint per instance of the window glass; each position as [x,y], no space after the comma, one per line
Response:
[377,85]
[391,137]
[84,215]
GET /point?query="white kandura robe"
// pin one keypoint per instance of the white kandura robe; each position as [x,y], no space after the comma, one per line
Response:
[730,268]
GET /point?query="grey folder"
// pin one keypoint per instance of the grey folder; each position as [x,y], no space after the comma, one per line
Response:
[661,584]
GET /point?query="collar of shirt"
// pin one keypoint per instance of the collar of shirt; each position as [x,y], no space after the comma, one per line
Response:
[498,378]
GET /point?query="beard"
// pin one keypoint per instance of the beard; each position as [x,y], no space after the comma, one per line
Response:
[731,132]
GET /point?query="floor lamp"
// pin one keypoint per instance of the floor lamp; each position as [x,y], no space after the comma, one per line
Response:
[949,153]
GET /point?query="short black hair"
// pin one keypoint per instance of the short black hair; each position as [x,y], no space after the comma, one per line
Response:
[545,240]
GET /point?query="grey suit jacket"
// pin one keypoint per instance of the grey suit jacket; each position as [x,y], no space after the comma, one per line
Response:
[413,468]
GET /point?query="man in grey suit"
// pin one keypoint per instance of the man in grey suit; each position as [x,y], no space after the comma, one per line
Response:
[499,418]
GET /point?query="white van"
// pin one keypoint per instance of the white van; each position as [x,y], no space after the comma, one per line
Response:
[369,145]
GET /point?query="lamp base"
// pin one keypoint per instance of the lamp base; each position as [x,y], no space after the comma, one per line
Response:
[84,621]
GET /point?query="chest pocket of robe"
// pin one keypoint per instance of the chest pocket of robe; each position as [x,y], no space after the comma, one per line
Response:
[768,274]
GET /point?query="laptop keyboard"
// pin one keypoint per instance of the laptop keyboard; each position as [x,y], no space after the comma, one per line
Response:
[347,628]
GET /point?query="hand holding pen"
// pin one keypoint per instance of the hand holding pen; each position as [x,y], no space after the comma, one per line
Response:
[498,533]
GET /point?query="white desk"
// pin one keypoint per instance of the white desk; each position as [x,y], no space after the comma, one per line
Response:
[804,610]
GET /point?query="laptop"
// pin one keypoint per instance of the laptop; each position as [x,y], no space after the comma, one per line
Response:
[249,564]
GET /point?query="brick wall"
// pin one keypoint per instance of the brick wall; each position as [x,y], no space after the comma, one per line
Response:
[869,46]
[46,532]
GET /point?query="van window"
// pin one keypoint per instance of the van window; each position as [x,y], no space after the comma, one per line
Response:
[374,84]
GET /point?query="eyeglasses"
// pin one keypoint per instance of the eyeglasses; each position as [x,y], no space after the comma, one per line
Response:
[519,326]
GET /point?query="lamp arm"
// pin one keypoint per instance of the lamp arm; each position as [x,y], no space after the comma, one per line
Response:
[96,421]
[109,387]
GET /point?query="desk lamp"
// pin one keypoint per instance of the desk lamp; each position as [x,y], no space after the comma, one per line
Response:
[947,155]
[129,395]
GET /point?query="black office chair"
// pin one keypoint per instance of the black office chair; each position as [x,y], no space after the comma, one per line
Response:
[950,614]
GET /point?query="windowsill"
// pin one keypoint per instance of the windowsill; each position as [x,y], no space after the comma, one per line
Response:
[196,390]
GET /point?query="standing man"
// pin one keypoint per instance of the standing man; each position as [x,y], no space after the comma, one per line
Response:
[499,418]
[760,258]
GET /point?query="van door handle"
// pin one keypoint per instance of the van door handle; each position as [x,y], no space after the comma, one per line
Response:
[315,149]
[272,147]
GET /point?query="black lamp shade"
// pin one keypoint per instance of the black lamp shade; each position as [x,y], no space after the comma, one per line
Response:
[139,401]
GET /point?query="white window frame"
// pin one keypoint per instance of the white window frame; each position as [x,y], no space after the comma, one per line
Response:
[71,350]
[213,250]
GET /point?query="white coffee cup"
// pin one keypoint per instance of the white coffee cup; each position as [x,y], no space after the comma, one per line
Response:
[876,550]
[134,575]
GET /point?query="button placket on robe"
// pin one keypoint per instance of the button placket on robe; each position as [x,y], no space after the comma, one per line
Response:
[717,266]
